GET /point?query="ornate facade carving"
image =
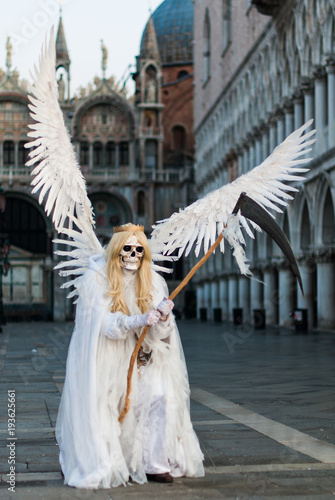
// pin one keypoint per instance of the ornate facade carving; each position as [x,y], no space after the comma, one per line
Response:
[119,145]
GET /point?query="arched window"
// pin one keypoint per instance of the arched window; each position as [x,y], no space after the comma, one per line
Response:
[97,154]
[26,226]
[226,24]
[328,225]
[8,153]
[179,142]
[305,229]
[84,153]
[207,48]
[110,154]
[179,138]
[141,203]
[124,153]
[182,74]
[23,153]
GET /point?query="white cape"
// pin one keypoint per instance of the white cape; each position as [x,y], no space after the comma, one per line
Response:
[95,449]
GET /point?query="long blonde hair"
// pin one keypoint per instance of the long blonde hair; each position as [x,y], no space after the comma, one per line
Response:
[115,278]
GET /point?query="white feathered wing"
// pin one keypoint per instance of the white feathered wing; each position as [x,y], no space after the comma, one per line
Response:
[200,223]
[59,179]
[57,174]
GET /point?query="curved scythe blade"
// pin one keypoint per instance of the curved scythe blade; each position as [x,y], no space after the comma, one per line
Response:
[253,211]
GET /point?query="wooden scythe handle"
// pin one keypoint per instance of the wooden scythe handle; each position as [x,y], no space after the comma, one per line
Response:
[145,329]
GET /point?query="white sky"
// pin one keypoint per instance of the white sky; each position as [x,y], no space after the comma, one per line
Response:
[119,23]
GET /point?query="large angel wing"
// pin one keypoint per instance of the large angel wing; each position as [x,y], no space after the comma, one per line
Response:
[200,223]
[57,174]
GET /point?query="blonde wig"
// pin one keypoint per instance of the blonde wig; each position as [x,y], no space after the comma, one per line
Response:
[143,274]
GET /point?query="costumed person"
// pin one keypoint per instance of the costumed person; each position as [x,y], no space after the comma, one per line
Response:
[119,292]
[118,295]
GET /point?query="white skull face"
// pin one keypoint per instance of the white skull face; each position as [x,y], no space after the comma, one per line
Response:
[131,254]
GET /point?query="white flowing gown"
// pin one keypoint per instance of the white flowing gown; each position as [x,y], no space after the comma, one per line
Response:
[156,435]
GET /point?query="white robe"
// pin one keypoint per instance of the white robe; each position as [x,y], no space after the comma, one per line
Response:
[156,435]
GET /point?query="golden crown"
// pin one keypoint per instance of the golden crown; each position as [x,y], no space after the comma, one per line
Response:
[128,227]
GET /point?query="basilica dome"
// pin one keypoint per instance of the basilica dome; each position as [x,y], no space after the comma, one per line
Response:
[173,22]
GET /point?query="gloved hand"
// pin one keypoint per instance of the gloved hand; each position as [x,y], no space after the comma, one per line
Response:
[148,319]
[165,307]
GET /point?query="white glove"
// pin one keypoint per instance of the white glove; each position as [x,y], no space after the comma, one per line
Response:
[165,307]
[148,319]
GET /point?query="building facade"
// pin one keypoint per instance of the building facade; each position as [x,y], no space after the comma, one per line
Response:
[263,68]
[136,154]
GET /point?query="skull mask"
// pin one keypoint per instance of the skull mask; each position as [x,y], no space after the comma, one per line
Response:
[131,254]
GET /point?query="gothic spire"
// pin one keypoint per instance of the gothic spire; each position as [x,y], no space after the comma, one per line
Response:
[9,48]
[62,61]
[150,46]
[62,55]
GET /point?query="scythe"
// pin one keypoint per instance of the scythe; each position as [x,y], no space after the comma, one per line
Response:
[253,211]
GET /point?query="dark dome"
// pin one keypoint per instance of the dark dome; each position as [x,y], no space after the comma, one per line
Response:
[173,22]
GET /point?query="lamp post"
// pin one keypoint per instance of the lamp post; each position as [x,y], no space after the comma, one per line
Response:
[4,252]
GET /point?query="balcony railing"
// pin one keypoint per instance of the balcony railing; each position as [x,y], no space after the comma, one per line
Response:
[20,174]
[147,175]
[151,131]
[10,173]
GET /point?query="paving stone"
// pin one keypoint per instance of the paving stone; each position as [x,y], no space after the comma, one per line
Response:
[276,374]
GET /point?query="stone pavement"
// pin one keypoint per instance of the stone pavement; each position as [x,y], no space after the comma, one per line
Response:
[263,407]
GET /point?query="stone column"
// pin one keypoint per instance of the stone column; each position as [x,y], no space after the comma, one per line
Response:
[245,157]
[215,298]
[29,290]
[223,290]
[1,154]
[270,295]
[272,135]
[256,288]
[160,155]
[132,155]
[308,92]
[285,295]
[306,301]
[232,295]
[265,141]
[252,163]
[258,151]
[244,297]
[331,101]
[207,300]
[240,159]
[117,155]
[199,300]
[90,155]
[325,277]
[289,117]
[16,155]
[280,126]
[298,109]
[320,109]
[258,147]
